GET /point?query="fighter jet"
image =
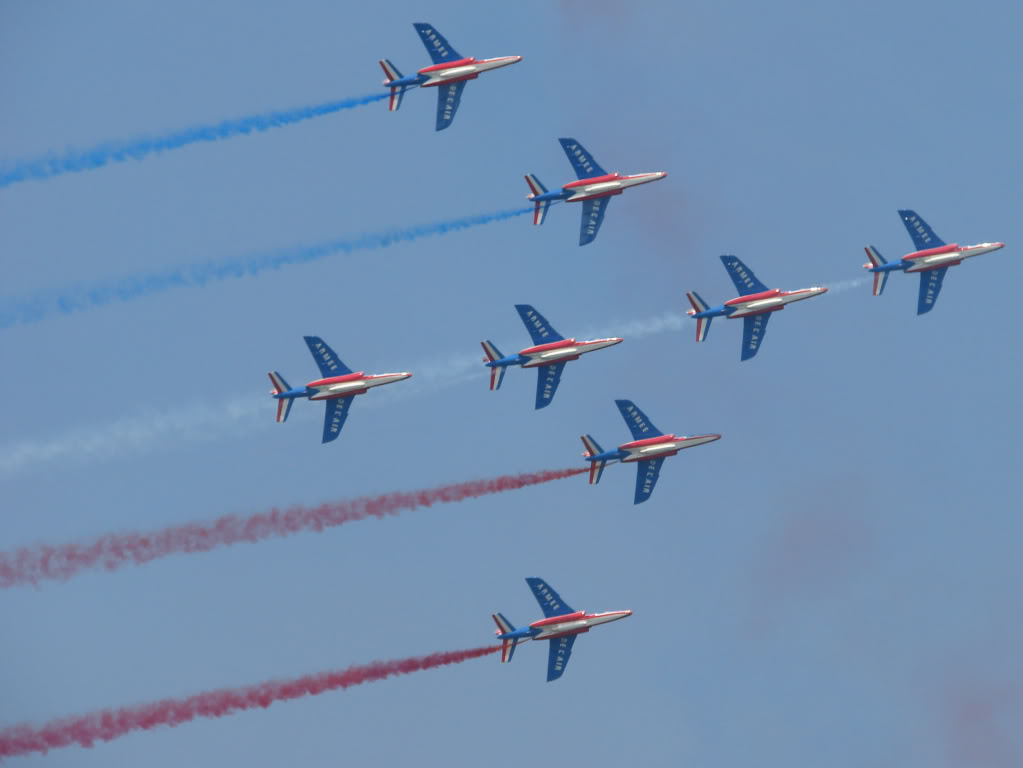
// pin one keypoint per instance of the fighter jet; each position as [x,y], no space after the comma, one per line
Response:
[649,447]
[931,259]
[594,189]
[549,354]
[449,73]
[560,625]
[338,387]
[754,305]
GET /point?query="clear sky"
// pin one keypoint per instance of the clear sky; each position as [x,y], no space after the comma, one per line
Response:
[836,582]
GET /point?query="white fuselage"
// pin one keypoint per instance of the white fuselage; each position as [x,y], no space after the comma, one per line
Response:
[757,303]
[609,186]
[441,76]
[544,356]
[641,450]
[949,257]
[341,386]
[583,623]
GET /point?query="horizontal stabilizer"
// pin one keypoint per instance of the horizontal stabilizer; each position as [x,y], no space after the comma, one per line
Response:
[876,259]
[390,70]
[591,445]
[280,385]
[880,280]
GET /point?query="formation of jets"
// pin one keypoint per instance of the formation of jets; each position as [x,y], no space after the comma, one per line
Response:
[550,351]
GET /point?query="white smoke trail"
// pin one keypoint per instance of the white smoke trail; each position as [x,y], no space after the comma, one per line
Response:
[145,431]
[845,285]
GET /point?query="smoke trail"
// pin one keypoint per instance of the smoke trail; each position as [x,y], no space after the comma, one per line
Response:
[845,285]
[109,724]
[83,297]
[30,565]
[135,434]
[74,161]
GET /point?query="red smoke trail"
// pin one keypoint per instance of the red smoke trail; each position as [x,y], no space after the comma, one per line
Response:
[109,724]
[29,565]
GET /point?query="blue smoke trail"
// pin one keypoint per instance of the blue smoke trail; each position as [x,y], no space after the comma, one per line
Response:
[83,297]
[73,161]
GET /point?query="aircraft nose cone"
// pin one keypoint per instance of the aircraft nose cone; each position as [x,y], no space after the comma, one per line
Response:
[662,174]
[822,289]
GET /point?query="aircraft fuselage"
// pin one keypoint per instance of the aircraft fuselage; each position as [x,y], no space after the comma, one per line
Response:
[661,446]
[605,186]
[767,301]
[945,256]
[347,385]
[463,69]
[562,351]
[561,626]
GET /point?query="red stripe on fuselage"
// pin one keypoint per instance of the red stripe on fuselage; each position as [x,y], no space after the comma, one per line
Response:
[753,297]
[648,441]
[592,180]
[548,347]
[446,65]
[558,619]
[932,252]
[337,379]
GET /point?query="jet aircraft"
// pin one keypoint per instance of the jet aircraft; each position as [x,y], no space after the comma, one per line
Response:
[649,448]
[449,73]
[560,625]
[338,387]
[931,259]
[594,189]
[754,305]
[549,354]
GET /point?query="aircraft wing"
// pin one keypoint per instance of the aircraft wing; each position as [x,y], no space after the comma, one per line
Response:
[638,423]
[582,161]
[334,418]
[448,98]
[438,48]
[547,379]
[921,232]
[330,364]
[550,601]
[593,216]
[540,331]
[930,287]
[647,473]
[753,329]
[557,657]
[745,281]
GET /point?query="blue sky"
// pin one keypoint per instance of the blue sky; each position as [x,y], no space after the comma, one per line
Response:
[835,582]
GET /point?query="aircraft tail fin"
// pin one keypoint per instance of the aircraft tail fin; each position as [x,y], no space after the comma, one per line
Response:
[497,371]
[283,403]
[396,92]
[593,449]
[536,188]
[876,260]
[702,323]
[507,645]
